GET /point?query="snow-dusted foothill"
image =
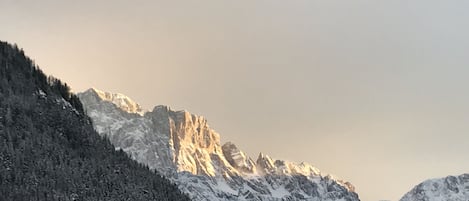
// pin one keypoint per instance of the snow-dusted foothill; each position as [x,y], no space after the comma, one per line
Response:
[450,188]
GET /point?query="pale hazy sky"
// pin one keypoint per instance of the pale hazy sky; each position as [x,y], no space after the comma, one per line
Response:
[375,92]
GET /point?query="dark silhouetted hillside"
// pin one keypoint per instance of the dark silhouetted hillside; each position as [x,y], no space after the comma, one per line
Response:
[49,150]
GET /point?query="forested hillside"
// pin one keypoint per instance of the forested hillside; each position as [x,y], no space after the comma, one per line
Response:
[49,150]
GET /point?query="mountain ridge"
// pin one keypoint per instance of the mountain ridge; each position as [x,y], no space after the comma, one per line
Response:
[183,147]
[120,100]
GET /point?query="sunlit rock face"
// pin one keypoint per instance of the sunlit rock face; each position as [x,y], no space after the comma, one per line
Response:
[183,147]
[238,159]
[121,101]
[451,188]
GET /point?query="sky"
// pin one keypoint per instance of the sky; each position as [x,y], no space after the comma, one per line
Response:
[374,92]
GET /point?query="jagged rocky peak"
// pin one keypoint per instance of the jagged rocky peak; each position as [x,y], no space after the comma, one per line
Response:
[265,164]
[186,128]
[287,167]
[349,186]
[185,148]
[238,159]
[192,142]
[268,165]
[120,100]
[454,188]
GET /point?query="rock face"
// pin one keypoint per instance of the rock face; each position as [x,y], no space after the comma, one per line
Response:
[451,188]
[183,147]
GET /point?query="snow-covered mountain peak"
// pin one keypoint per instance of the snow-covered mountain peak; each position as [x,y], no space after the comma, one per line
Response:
[287,167]
[183,147]
[454,188]
[120,100]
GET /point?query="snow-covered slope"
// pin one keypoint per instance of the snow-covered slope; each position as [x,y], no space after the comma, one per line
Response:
[451,188]
[121,101]
[183,147]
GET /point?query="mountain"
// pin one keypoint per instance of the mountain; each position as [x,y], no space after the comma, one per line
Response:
[49,149]
[183,147]
[451,188]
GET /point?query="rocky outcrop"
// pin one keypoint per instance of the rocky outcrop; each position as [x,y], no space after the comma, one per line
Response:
[238,159]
